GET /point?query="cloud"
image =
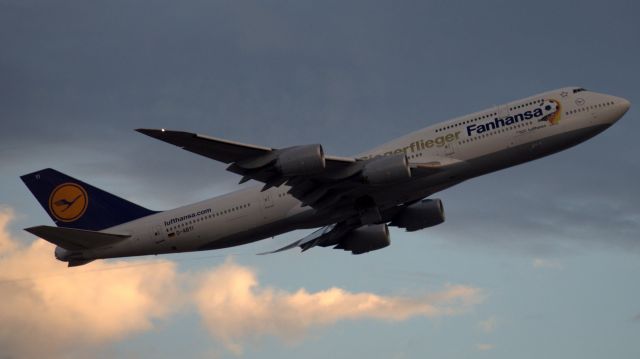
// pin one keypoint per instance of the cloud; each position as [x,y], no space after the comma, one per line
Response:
[540,263]
[552,218]
[488,325]
[6,244]
[62,311]
[235,307]
[483,347]
[54,311]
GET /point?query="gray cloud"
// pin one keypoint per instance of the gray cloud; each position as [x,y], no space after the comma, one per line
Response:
[549,225]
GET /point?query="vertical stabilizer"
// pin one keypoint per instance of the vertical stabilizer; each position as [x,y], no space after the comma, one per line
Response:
[74,204]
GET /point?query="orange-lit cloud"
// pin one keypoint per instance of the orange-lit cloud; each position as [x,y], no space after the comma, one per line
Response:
[49,310]
[6,244]
[235,308]
[62,311]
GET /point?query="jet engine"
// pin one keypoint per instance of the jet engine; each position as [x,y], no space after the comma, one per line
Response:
[301,160]
[386,170]
[420,215]
[365,239]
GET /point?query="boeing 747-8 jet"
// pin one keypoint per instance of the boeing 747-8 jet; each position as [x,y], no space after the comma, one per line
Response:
[352,200]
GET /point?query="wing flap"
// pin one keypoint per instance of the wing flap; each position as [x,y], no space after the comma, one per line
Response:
[308,241]
[75,239]
[325,236]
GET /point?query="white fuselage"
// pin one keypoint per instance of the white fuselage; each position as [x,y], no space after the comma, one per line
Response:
[485,141]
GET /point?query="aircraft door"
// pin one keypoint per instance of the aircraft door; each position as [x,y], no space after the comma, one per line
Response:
[449,149]
[503,111]
[267,204]
[594,116]
[158,234]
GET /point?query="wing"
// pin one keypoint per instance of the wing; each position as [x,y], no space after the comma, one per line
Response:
[75,239]
[214,148]
[316,180]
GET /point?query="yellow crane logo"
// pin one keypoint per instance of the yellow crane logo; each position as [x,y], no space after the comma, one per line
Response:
[68,202]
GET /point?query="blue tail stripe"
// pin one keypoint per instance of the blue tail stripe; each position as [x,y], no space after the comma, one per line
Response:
[80,205]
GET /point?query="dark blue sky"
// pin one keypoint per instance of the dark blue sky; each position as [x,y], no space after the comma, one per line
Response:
[552,244]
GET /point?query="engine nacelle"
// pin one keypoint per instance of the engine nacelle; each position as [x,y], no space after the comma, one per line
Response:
[426,213]
[387,170]
[366,239]
[301,160]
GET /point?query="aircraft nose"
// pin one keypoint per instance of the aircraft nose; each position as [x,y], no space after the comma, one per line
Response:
[619,108]
[624,105]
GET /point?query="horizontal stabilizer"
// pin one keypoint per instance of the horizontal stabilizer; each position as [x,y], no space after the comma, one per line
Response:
[75,239]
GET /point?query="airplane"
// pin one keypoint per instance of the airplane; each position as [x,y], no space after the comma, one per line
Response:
[351,200]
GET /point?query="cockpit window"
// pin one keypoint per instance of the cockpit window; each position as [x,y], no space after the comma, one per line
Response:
[578,90]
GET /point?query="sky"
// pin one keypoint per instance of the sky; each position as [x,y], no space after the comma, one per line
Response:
[539,260]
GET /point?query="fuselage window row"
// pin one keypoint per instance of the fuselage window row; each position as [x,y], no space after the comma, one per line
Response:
[592,107]
[210,216]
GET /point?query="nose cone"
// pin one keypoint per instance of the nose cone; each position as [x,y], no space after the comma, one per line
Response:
[619,108]
[624,105]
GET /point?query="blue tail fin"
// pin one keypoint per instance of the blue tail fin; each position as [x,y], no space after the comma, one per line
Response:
[75,204]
